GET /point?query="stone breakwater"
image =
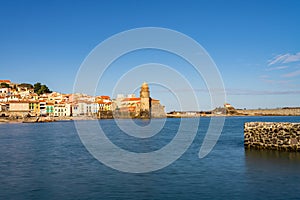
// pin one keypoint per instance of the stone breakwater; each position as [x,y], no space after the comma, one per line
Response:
[270,135]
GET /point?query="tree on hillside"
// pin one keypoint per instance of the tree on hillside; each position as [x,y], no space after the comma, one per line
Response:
[26,85]
[4,85]
[37,87]
[41,89]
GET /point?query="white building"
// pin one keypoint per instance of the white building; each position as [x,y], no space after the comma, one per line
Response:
[5,92]
[43,106]
[118,102]
[84,108]
[62,110]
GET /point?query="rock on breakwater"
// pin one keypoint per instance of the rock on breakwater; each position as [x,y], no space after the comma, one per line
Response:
[270,135]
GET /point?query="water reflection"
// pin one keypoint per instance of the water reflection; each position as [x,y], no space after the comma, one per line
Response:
[272,174]
[271,157]
[272,162]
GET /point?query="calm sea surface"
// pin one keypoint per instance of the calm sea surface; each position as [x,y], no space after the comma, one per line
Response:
[48,161]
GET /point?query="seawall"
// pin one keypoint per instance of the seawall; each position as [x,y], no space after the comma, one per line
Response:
[271,112]
[270,135]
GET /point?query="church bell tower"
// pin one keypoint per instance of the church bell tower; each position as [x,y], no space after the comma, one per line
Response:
[145,111]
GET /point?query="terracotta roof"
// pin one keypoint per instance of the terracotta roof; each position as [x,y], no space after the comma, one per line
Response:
[4,81]
[131,106]
[154,100]
[22,101]
[132,99]
[100,102]
[104,97]
[83,101]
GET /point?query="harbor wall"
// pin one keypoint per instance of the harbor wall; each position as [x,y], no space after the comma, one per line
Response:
[270,135]
[270,112]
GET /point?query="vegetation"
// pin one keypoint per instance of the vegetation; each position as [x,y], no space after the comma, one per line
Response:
[37,87]
[26,85]
[41,89]
[4,85]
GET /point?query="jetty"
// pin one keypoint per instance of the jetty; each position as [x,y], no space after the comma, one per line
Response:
[270,135]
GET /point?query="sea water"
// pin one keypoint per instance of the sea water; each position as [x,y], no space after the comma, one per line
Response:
[49,161]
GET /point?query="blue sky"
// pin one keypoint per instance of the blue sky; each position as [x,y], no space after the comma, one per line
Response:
[255,44]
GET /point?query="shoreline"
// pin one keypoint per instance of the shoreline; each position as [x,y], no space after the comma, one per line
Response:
[67,119]
[198,116]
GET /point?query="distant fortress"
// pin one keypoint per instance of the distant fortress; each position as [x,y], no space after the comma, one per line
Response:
[229,110]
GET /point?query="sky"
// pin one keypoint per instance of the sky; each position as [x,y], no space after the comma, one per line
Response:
[254,44]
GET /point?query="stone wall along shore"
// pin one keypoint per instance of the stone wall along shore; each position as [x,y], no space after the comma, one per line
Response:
[270,135]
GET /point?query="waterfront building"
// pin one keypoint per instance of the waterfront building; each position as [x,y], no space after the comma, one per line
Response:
[62,110]
[49,108]
[34,107]
[59,110]
[43,111]
[138,107]
[84,108]
[131,105]
[23,107]
[104,103]
[117,103]
[157,110]
[75,110]
[19,108]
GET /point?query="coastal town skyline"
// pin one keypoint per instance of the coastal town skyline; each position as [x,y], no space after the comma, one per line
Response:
[254,44]
[23,101]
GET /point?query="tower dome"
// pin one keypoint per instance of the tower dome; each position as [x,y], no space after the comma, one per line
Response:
[145,85]
[145,93]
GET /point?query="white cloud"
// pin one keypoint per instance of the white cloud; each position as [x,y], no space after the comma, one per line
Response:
[292,74]
[292,58]
[277,59]
[277,82]
[284,58]
[260,92]
[237,92]
[276,68]
[264,76]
